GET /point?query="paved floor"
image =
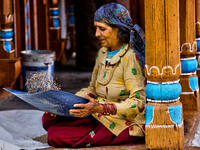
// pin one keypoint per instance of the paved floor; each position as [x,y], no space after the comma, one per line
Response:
[67,76]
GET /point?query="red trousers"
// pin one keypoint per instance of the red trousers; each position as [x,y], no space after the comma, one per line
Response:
[76,132]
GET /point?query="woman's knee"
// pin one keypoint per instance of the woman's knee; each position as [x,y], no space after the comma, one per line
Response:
[48,120]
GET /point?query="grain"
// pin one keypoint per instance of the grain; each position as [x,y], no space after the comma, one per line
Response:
[40,82]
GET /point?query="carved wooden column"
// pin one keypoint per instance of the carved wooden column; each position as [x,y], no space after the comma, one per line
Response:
[7,46]
[54,21]
[164,115]
[55,42]
[10,66]
[197,8]
[189,81]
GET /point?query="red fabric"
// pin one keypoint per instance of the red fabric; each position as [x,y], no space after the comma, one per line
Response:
[73,132]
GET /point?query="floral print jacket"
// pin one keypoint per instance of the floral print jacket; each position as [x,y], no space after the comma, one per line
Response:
[120,82]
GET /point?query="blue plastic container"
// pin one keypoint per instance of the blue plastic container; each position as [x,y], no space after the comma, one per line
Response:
[36,61]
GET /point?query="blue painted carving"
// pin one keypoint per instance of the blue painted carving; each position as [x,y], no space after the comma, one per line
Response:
[198,44]
[7,46]
[56,22]
[54,12]
[193,83]
[6,34]
[149,113]
[175,113]
[72,20]
[71,10]
[163,91]
[189,65]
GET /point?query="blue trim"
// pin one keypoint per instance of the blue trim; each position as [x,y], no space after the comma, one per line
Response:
[6,34]
[189,65]
[27,7]
[163,91]
[28,33]
[193,83]
[71,10]
[198,45]
[54,12]
[175,113]
[149,113]
[72,20]
[7,46]
[27,21]
[56,22]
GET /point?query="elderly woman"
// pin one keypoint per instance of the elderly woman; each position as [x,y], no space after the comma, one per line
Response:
[115,112]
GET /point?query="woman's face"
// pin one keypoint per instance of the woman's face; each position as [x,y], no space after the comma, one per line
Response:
[106,34]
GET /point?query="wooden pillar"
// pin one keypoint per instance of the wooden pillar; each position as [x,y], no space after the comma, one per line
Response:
[10,66]
[55,42]
[54,20]
[164,115]
[6,20]
[189,80]
[197,12]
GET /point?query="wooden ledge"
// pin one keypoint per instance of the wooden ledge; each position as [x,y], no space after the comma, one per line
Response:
[134,147]
[191,122]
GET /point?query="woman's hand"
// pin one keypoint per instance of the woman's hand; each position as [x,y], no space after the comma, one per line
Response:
[91,107]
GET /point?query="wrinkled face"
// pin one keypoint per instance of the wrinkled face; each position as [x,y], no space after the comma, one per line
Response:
[106,34]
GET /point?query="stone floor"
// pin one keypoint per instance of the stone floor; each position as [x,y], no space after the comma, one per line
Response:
[67,76]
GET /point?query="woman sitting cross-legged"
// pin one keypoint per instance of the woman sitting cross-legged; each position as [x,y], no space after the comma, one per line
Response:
[115,112]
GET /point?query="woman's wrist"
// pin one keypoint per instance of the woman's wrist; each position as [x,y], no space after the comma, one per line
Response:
[109,109]
[98,109]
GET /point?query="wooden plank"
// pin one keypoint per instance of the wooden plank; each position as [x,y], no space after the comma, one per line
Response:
[192,148]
